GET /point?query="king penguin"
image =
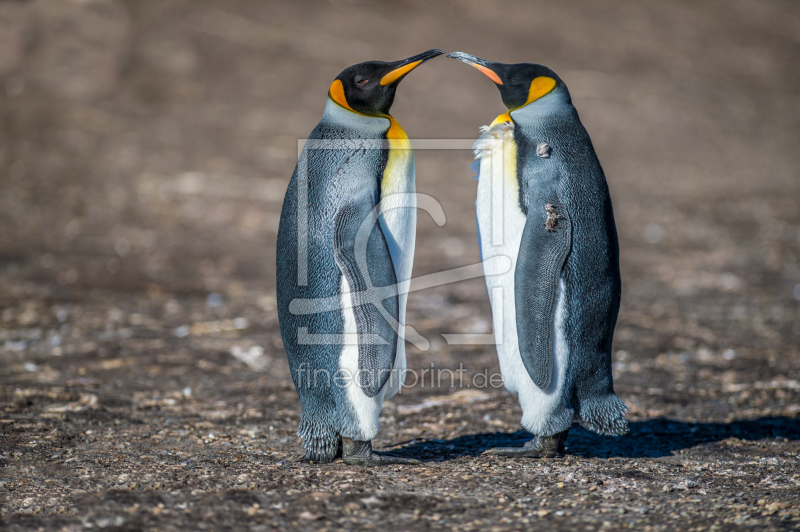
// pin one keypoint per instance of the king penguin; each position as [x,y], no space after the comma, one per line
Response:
[345,249]
[543,202]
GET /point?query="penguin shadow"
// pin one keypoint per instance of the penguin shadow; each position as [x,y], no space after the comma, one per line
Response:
[652,438]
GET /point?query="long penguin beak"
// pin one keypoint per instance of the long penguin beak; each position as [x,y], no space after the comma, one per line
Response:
[480,64]
[403,67]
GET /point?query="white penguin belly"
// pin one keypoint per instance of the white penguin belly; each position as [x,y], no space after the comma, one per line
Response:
[398,221]
[538,405]
[367,409]
[401,223]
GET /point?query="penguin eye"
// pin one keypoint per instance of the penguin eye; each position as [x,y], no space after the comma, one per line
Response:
[362,82]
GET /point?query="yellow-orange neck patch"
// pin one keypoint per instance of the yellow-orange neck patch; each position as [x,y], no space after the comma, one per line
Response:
[396,132]
[396,173]
[505,117]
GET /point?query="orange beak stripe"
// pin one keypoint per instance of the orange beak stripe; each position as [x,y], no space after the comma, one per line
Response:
[397,73]
[489,73]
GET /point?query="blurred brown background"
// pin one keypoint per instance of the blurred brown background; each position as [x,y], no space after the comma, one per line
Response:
[145,147]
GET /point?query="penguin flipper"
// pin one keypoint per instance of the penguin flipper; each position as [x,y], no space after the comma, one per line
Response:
[373,290]
[546,242]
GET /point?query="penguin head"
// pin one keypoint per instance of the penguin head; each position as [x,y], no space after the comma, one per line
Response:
[369,88]
[519,84]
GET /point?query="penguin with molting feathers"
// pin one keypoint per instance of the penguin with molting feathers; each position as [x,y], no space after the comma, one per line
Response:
[344,255]
[556,309]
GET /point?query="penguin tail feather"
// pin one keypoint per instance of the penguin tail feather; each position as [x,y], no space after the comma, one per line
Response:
[322,444]
[604,415]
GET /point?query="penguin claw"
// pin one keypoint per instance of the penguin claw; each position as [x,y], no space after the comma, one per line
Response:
[521,452]
[361,453]
[539,447]
[378,460]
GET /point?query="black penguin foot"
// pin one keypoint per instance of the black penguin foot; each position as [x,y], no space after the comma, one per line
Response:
[356,452]
[539,447]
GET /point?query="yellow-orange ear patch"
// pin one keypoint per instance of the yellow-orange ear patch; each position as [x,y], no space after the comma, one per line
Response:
[539,87]
[336,93]
[397,73]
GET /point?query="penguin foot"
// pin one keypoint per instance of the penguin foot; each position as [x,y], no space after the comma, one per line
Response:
[539,447]
[356,452]
[315,456]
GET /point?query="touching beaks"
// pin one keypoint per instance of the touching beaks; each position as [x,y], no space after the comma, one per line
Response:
[478,63]
[403,67]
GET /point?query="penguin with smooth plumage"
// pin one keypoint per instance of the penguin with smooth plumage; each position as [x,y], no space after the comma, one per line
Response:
[543,202]
[345,250]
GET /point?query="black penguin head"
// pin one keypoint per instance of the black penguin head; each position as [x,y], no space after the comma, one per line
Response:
[369,88]
[519,84]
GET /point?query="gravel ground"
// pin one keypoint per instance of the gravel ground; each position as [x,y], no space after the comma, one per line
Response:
[145,147]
